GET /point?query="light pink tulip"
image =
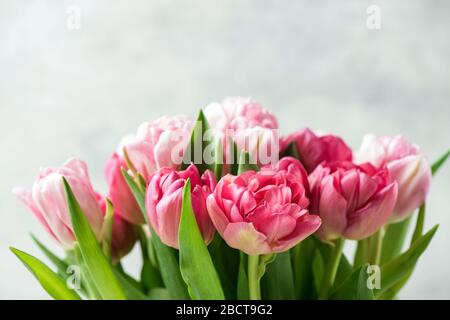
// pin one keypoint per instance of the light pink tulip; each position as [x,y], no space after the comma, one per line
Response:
[164,199]
[238,113]
[249,125]
[263,212]
[314,150]
[47,200]
[120,194]
[158,144]
[407,165]
[124,234]
[353,201]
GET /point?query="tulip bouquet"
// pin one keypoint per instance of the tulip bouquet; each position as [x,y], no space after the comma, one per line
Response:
[226,208]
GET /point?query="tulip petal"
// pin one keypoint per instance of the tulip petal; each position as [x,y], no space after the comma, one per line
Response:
[218,217]
[413,175]
[306,226]
[366,221]
[244,236]
[333,210]
[25,197]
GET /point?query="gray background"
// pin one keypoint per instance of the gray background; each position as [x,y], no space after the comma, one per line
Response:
[313,63]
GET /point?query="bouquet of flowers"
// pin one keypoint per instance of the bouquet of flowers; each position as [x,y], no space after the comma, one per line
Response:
[225,207]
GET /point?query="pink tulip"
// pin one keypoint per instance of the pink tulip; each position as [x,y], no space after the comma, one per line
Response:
[120,194]
[124,234]
[249,125]
[47,200]
[158,144]
[407,165]
[353,201]
[164,199]
[314,150]
[263,212]
[238,113]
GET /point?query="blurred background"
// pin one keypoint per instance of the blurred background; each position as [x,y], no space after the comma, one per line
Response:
[75,76]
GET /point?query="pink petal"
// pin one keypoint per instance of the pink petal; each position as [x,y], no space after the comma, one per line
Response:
[371,218]
[243,236]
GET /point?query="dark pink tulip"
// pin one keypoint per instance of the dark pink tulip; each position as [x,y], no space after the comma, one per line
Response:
[353,201]
[314,150]
[263,212]
[47,200]
[407,165]
[164,199]
[119,193]
[124,234]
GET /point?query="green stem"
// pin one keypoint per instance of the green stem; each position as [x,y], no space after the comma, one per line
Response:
[376,243]
[254,287]
[331,270]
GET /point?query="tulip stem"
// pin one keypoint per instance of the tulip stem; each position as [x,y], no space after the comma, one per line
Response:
[376,243]
[254,287]
[331,269]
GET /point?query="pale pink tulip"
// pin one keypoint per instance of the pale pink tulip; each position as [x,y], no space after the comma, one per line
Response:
[314,150]
[407,165]
[158,144]
[249,125]
[120,194]
[124,234]
[164,200]
[353,201]
[239,113]
[47,200]
[263,212]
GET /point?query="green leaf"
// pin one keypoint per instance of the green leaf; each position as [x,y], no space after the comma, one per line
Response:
[393,240]
[167,260]
[97,264]
[319,269]
[301,256]
[418,230]
[344,268]
[129,287]
[246,163]
[395,270]
[291,151]
[196,265]
[60,264]
[242,284]
[90,290]
[437,165]
[218,159]
[159,294]
[201,139]
[362,253]
[234,153]
[278,281]
[107,228]
[355,287]
[55,286]
[226,262]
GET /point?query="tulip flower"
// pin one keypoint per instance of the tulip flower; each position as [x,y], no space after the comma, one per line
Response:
[158,144]
[47,201]
[249,125]
[263,212]
[124,234]
[237,113]
[120,194]
[164,200]
[353,201]
[407,165]
[314,150]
